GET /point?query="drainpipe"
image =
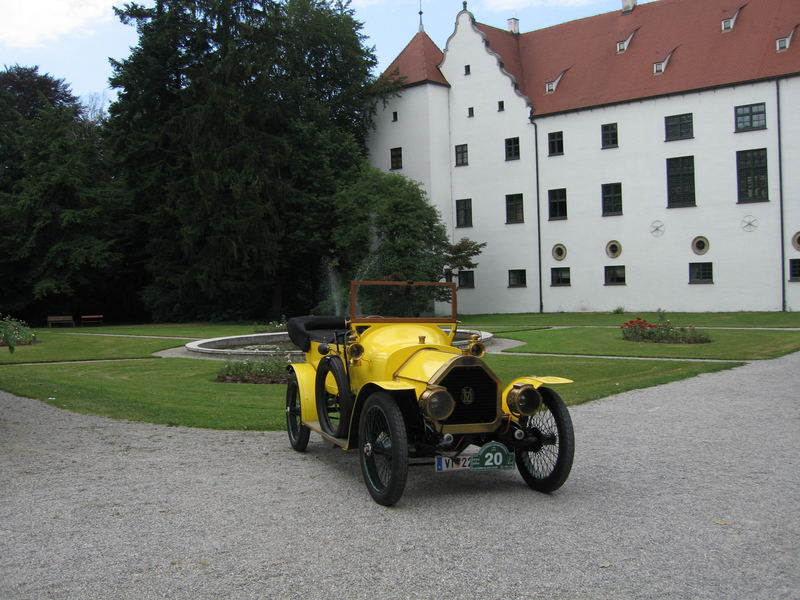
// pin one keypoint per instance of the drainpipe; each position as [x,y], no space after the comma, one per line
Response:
[538,212]
[780,198]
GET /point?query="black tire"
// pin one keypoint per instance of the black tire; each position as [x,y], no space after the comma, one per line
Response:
[333,410]
[546,467]
[298,433]
[383,448]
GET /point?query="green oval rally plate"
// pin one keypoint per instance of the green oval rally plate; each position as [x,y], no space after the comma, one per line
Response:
[492,457]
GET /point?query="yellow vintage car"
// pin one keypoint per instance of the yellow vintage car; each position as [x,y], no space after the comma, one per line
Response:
[388,381]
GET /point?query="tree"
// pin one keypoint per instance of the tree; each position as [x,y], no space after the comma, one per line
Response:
[236,123]
[58,210]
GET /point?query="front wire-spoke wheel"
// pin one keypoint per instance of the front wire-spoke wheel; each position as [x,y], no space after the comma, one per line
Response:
[546,466]
[298,433]
[383,448]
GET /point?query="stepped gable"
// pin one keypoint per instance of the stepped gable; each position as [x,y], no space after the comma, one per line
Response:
[687,33]
[418,62]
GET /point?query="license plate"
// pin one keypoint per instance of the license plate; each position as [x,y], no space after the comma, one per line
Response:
[493,456]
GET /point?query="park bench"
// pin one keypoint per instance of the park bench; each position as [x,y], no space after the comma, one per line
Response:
[60,320]
[91,319]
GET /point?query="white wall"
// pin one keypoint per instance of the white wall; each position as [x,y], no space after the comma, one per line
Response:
[657,268]
[790,122]
[489,177]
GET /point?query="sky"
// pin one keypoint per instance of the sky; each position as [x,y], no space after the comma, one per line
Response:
[74,39]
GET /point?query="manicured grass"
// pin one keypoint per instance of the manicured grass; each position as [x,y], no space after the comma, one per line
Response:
[735,319]
[597,378]
[171,391]
[725,344]
[187,330]
[181,391]
[52,347]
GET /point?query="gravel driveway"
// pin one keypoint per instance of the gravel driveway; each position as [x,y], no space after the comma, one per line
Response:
[688,490]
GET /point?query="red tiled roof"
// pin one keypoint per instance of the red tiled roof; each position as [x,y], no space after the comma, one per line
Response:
[702,55]
[419,62]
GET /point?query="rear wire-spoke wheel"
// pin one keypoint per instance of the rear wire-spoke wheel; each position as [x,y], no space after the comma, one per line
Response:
[546,466]
[333,410]
[298,433]
[383,448]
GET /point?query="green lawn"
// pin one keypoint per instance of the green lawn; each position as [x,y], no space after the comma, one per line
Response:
[725,344]
[736,319]
[181,391]
[171,390]
[52,347]
[597,378]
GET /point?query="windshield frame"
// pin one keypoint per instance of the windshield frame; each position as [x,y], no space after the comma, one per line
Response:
[354,285]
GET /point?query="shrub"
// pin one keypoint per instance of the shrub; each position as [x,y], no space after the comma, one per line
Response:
[620,310]
[15,333]
[267,370]
[640,330]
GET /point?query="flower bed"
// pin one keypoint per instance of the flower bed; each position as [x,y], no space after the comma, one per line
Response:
[269,370]
[640,330]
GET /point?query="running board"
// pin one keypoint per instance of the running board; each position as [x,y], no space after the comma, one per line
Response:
[315,426]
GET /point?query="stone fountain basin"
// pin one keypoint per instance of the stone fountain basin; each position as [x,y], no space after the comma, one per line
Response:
[234,345]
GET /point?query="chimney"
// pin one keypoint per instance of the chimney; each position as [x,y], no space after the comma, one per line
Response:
[628,6]
[513,25]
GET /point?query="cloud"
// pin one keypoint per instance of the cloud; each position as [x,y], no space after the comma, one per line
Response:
[500,5]
[32,23]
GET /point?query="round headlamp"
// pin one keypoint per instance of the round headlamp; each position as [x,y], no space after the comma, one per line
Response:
[355,351]
[524,399]
[437,403]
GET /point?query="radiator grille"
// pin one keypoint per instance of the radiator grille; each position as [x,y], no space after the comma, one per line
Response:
[483,408]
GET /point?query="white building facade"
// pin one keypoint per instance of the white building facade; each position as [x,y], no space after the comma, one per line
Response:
[612,161]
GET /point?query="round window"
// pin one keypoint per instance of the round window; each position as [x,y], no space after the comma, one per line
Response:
[559,252]
[613,248]
[700,245]
[796,240]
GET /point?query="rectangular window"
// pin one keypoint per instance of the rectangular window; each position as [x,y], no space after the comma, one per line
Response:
[559,276]
[516,278]
[462,155]
[678,127]
[557,201]
[514,212]
[555,143]
[680,181]
[794,269]
[751,116]
[609,135]
[751,172]
[612,199]
[396,155]
[501,106]
[464,212]
[615,275]
[471,111]
[701,272]
[466,279]
[394,116]
[467,70]
[512,148]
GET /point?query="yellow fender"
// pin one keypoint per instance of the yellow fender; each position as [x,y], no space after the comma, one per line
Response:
[306,377]
[536,382]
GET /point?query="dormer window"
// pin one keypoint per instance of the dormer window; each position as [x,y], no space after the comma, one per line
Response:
[782,44]
[550,86]
[623,45]
[726,25]
[661,66]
